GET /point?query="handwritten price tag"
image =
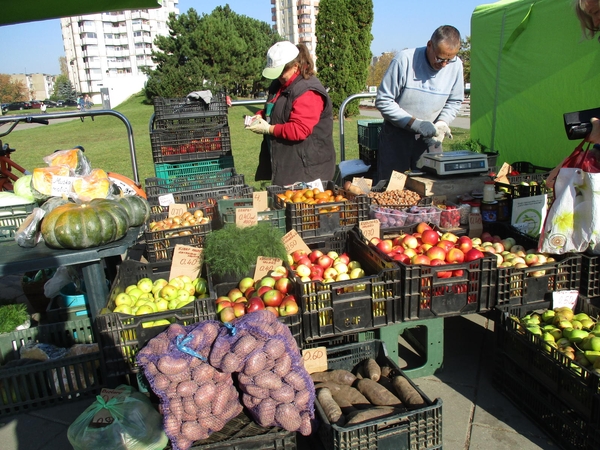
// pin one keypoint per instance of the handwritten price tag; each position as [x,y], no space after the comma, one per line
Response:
[316,184]
[260,201]
[315,359]
[186,261]
[370,228]
[176,209]
[292,242]
[265,265]
[565,298]
[245,217]
[439,200]
[475,225]
[166,200]
[367,181]
[397,181]
[61,185]
[103,418]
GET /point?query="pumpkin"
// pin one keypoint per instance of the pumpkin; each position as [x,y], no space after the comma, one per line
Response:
[41,180]
[138,209]
[78,226]
[94,185]
[74,159]
[54,202]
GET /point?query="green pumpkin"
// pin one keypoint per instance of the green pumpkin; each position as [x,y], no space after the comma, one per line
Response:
[137,208]
[85,225]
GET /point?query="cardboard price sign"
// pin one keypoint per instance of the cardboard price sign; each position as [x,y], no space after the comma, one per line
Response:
[397,181]
[61,185]
[186,261]
[176,209]
[166,200]
[260,201]
[292,242]
[475,225]
[359,180]
[565,298]
[265,265]
[246,217]
[370,228]
[315,359]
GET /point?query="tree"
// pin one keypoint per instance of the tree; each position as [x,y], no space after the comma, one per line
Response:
[11,91]
[343,30]
[377,70]
[465,56]
[63,89]
[222,50]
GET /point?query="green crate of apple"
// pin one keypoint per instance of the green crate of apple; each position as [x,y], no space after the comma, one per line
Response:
[273,292]
[577,336]
[147,296]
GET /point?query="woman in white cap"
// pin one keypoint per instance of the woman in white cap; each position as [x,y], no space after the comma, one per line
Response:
[297,121]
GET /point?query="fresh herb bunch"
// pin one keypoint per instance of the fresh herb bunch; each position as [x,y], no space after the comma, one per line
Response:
[233,250]
[11,316]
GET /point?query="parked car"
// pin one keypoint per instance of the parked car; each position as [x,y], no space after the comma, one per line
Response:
[16,106]
[35,104]
[50,103]
[4,107]
[61,103]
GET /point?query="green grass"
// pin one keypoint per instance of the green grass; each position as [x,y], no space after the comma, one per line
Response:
[106,142]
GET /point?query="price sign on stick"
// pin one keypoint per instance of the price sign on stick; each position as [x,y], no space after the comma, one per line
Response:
[315,359]
[292,242]
[186,261]
[245,217]
[369,228]
[260,201]
[176,209]
[397,181]
[265,265]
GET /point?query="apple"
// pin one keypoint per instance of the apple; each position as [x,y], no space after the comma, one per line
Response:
[455,255]
[354,265]
[473,254]
[284,285]
[272,297]
[542,259]
[304,260]
[449,237]
[227,314]
[168,292]
[144,309]
[315,255]
[288,306]
[498,247]
[422,226]
[517,248]
[508,243]
[254,304]
[266,281]
[464,243]
[357,272]
[410,252]
[239,309]
[344,258]
[476,241]
[401,257]
[325,261]
[135,292]
[518,265]
[261,290]
[278,272]
[182,294]
[130,287]
[158,285]
[430,237]
[518,260]
[162,304]
[342,277]
[436,253]
[341,268]
[123,309]
[421,259]
[145,285]
[297,255]
[409,241]
[458,273]
[333,255]
[234,294]
[531,259]
[537,273]
[375,240]
[316,271]
[330,273]
[303,271]
[445,244]
[245,284]
[249,292]
[385,245]
[123,299]
[485,236]
[177,282]
[222,298]
[273,309]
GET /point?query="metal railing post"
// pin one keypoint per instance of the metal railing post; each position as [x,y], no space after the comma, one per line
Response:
[341,117]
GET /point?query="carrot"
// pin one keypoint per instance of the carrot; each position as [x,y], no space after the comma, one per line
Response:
[407,393]
[331,409]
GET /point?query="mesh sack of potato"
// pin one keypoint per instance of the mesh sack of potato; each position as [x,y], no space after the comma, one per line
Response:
[195,398]
[276,387]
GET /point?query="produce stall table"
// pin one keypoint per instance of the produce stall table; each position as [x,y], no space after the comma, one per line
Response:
[15,259]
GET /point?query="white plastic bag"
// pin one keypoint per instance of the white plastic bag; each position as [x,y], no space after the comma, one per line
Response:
[63,276]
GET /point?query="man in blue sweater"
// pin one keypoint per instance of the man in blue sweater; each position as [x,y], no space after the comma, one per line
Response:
[419,96]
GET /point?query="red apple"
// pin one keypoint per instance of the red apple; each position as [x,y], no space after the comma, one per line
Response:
[397,249]
[303,271]
[315,255]
[473,254]
[222,305]
[375,240]
[458,273]
[288,306]
[325,261]
[436,253]
[316,271]
[385,245]
[284,285]
[304,261]
[486,237]
[430,237]
[410,252]
[297,255]
[422,227]
[261,290]
[455,255]
[254,304]
[227,314]
[441,273]
[409,241]
[222,298]
[273,309]
[249,292]
[234,294]
[239,309]
[464,243]
[344,258]
[421,259]
[446,245]
[401,257]
[272,298]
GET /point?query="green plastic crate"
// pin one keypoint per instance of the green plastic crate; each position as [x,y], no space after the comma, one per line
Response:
[11,218]
[368,133]
[177,170]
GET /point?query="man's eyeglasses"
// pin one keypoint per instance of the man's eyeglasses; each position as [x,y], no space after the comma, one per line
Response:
[447,61]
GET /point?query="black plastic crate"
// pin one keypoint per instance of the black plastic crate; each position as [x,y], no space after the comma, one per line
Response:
[415,430]
[156,187]
[294,322]
[590,276]
[197,197]
[190,145]
[341,307]
[180,108]
[316,220]
[544,407]
[190,123]
[123,335]
[56,313]
[368,133]
[227,207]
[158,213]
[368,155]
[160,245]
[27,385]
[525,167]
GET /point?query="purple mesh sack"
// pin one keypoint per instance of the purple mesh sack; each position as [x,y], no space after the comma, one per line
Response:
[276,387]
[196,399]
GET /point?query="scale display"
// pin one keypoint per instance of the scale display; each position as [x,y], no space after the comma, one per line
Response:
[455,162]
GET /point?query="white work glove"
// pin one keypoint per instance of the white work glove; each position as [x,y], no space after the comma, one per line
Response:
[443,130]
[260,126]
[424,128]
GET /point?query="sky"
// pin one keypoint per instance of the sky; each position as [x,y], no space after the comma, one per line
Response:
[36,47]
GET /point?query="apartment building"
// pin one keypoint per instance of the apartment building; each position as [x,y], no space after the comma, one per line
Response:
[106,52]
[40,86]
[295,20]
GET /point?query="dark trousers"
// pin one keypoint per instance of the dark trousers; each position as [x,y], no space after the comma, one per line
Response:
[398,150]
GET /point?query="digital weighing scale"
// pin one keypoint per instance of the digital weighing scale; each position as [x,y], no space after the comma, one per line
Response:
[455,162]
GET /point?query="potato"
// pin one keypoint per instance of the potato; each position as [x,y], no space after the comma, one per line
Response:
[251,401]
[365,415]
[305,425]
[274,348]
[407,393]
[285,394]
[231,363]
[203,372]
[268,380]
[193,431]
[339,376]
[219,404]
[211,422]
[377,394]
[175,330]
[244,346]
[283,365]
[371,369]
[295,380]
[256,391]
[204,394]
[171,425]
[189,406]
[171,366]
[161,382]
[182,442]
[186,388]
[255,363]
[302,399]
[331,409]
[265,412]
[288,417]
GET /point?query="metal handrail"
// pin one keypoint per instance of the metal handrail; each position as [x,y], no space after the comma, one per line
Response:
[341,118]
[82,115]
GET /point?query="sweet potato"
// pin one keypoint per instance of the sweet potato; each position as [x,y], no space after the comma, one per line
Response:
[387,371]
[408,394]
[371,369]
[331,409]
[349,399]
[329,385]
[377,394]
[365,415]
[339,376]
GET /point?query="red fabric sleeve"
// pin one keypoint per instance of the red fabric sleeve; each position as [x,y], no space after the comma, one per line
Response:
[305,114]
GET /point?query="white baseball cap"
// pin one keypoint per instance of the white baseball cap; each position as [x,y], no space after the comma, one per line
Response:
[277,57]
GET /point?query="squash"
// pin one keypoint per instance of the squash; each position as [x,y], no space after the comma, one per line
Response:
[138,209]
[41,180]
[94,185]
[54,202]
[78,226]
[74,159]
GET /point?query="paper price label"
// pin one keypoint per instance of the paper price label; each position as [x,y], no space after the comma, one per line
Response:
[397,181]
[166,200]
[260,201]
[316,184]
[370,228]
[565,298]
[61,185]
[103,418]
[245,217]
[315,359]
[475,225]
[186,261]
[176,209]
[292,242]
[439,200]
[265,265]
[367,181]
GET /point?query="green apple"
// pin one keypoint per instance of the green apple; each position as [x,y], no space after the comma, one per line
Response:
[144,309]
[162,304]
[169,292]
[141,302]
[148,324]
[173,303]
[145,284]
[185,279]
[124,309]
[182,294]
[189,287]
[161,322]
[177,282]
[182,303]
[135,292]
[158,285]
[123,299]
[130,287]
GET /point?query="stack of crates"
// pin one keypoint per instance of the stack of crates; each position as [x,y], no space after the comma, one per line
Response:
[368,141]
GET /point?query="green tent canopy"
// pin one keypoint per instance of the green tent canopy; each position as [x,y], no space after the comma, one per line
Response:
[18,11]
[529,65]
